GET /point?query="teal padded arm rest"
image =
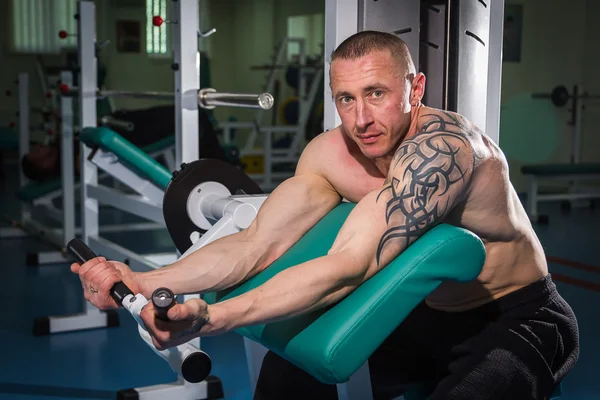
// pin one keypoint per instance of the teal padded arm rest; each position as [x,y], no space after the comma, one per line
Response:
[333,343]
[129,154]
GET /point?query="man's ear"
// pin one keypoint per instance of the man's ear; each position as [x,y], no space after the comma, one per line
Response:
[417,90]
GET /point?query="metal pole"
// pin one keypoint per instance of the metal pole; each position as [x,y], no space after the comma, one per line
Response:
[210,98]
[578,100]
[187,80]
[494,84]
[23,132]
[341,21]
[88,82]
[67,173]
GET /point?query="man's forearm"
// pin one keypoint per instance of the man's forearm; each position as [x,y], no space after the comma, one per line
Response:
[294,291]
[216,266]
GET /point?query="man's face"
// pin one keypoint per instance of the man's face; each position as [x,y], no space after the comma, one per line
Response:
[372,97]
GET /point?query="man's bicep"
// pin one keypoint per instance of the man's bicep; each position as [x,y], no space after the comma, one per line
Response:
[428,177]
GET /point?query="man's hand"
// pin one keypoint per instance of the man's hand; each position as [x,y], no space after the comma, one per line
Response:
[186,322]
[99,275]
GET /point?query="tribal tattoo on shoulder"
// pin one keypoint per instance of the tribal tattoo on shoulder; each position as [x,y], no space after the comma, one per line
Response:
[427,175]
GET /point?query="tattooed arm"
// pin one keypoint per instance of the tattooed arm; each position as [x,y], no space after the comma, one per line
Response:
[429,175]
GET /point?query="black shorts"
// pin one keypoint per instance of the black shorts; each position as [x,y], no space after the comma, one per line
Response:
[517,347]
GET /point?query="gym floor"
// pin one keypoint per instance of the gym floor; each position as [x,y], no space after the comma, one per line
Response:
[96,364]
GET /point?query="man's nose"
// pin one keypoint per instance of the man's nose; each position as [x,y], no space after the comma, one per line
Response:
[364,117]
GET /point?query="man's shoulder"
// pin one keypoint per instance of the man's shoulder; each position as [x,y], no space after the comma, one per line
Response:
[323,154]
[327,144]
[446,128]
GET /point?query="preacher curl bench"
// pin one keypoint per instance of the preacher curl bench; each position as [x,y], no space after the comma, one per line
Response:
[333,344]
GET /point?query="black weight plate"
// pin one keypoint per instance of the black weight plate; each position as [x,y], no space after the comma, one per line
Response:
[184,180]
[560,96]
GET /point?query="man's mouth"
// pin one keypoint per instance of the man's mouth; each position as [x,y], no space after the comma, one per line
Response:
[369,138]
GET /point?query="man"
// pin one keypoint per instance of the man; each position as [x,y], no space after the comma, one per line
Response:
[508,334]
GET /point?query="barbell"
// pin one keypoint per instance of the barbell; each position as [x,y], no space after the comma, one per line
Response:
[560,96]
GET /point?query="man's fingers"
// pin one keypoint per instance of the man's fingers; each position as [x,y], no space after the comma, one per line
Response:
[97,270]
[75,268]
[179,312]
[85,267]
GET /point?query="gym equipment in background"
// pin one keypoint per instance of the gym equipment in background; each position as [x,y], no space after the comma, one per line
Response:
[271,151]
[39,214]
[571,174]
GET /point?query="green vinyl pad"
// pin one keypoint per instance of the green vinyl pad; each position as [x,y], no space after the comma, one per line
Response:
[128,154]
[35,190]
[561,169]
[332,344]
[161,145]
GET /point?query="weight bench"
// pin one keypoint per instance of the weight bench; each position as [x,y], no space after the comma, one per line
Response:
[559,172]
[333,345]
[42,196]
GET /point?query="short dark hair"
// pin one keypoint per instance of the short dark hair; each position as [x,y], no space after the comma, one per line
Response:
[362,43]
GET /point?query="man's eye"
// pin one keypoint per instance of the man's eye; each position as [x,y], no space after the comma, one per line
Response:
[378,93]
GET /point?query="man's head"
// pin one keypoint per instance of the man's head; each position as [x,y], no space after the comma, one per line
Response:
[375,86]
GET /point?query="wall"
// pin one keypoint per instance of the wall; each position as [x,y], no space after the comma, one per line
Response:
[558,47]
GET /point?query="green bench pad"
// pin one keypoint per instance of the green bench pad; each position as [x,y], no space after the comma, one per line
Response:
[35,190]
[561,169]
[128,154]
[332,344]
[161,145]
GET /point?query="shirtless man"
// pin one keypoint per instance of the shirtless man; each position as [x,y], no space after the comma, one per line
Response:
[506,335]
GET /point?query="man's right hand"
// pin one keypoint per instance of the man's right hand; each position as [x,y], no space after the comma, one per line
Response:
[99,275]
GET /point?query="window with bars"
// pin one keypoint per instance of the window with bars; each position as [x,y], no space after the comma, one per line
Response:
[158,39]
[36,23]
[156,36]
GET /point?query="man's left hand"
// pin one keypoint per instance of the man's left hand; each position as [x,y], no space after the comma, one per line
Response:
[185,323]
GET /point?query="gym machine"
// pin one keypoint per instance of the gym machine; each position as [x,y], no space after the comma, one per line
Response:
[40,197]
[104,150]
[571,173]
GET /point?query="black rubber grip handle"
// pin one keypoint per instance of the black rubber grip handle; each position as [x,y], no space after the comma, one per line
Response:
[163,299]
[83,253]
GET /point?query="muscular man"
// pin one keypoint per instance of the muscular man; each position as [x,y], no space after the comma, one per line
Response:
[506,335]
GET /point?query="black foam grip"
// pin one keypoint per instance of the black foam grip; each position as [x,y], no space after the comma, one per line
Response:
[83,253]
[80,251]
[163,299]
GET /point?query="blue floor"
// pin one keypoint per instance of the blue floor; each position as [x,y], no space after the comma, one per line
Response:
[96,364]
